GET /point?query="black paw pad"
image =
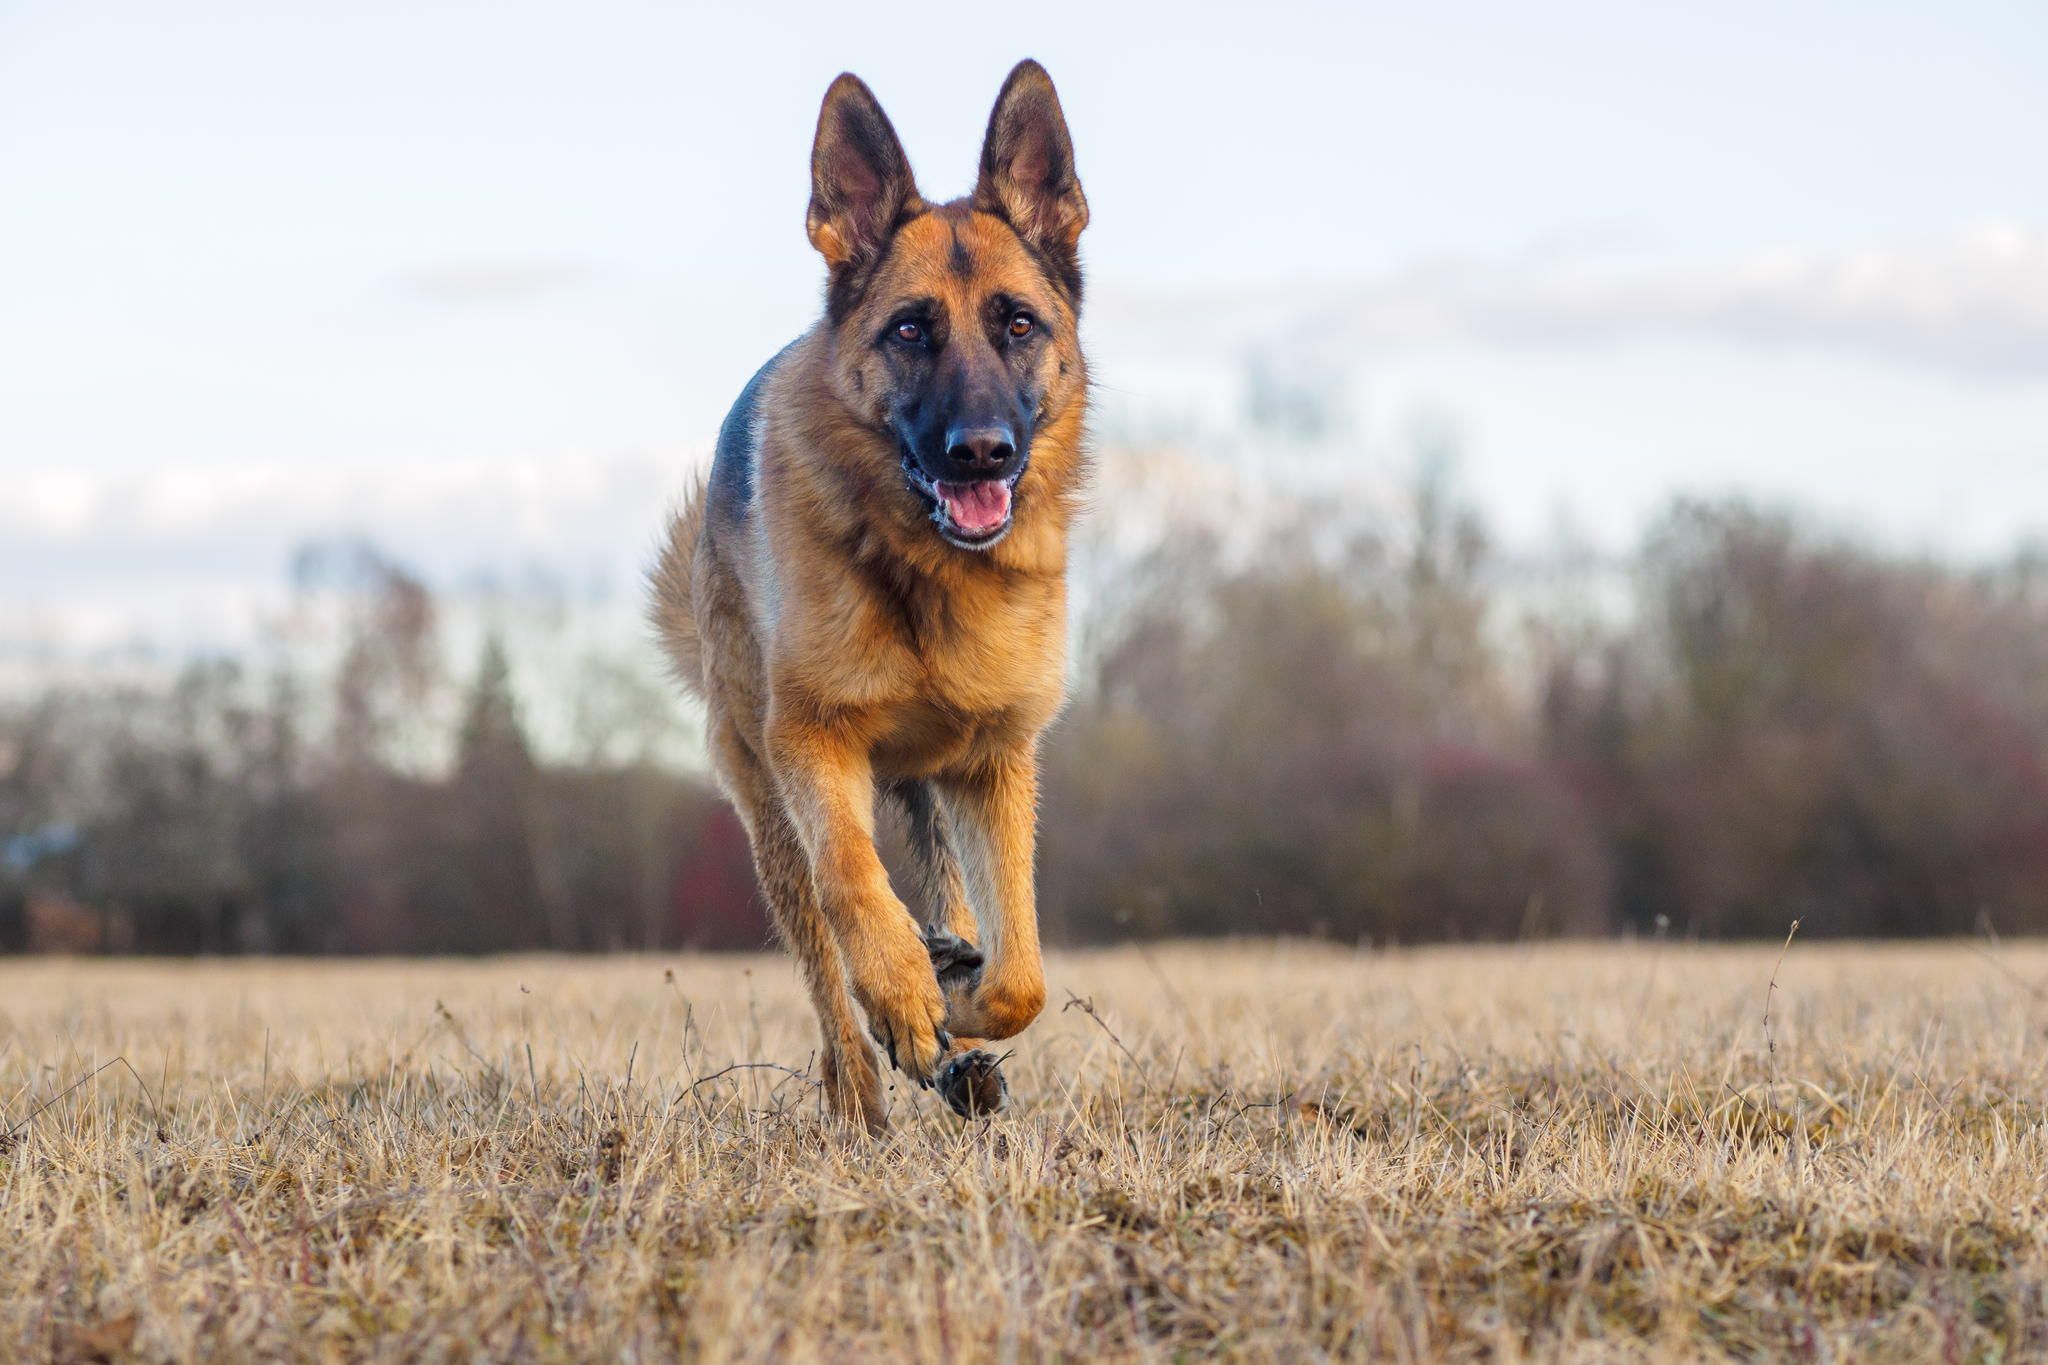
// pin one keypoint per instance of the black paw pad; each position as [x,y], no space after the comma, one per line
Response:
[954,959]
[973,1085]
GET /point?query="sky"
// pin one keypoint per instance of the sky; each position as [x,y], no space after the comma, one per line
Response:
[478,281]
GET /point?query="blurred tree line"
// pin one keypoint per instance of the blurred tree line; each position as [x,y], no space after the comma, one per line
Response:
[1396,738]
[1378,732]
[338,802]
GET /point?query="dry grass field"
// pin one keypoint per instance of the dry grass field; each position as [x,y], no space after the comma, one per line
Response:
[1251,1151]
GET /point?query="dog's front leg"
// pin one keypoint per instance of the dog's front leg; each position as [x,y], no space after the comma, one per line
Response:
[995,811]
[827,783]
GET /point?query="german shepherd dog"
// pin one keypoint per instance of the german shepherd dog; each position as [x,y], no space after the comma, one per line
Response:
[869,592]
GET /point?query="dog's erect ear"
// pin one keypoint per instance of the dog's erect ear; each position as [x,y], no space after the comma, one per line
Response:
[860,179]
[1027,165]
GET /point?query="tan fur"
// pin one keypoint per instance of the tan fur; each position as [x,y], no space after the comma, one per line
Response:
[840,643]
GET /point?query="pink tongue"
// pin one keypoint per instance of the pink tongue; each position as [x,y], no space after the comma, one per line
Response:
[976,507]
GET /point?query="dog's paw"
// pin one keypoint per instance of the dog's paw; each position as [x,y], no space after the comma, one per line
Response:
[906,1014]
[955,961]
[973,1084]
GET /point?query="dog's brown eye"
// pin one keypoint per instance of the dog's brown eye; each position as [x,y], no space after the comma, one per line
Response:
[1021,325]
[909,331]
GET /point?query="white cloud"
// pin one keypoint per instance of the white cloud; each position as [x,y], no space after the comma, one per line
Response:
[1582,381]
[55,502]
[526,500]
[1973,302]
[191,555]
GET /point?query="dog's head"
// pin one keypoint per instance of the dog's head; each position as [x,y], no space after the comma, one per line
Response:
[954,326]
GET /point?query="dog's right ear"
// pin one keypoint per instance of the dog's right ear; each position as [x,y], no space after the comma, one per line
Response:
[860,179]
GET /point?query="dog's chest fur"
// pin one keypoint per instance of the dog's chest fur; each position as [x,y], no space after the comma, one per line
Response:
[938,668]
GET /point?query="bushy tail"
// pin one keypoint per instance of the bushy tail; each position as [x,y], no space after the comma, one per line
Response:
[671,606]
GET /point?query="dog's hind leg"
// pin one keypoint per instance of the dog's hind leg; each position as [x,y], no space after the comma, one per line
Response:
[852,1077]
[995,811]
[950,932]
[970,1079]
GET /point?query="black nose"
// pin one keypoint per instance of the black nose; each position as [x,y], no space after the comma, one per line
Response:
[980,451]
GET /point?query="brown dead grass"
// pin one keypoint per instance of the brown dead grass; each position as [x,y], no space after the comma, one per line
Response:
[1257,1151]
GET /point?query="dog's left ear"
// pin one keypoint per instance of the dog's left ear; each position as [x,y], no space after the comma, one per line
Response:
[1027,167]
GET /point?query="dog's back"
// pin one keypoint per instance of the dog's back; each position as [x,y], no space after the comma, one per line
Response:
[726,495]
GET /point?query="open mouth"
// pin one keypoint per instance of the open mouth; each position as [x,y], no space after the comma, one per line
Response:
[972,515]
